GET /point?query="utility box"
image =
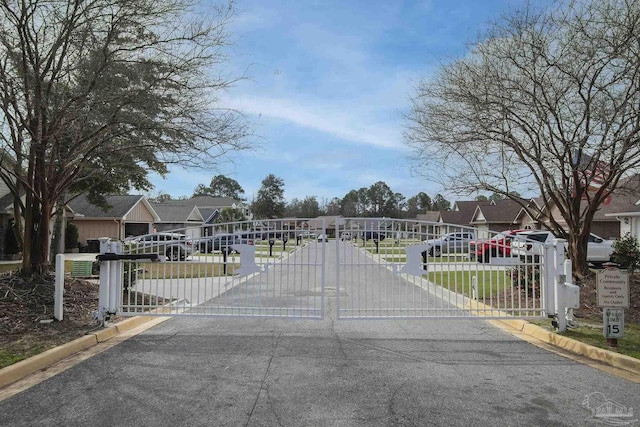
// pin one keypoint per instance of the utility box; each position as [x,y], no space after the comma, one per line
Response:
[81,268]
[571,295]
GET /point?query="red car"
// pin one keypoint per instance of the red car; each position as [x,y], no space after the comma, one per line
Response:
[498,245]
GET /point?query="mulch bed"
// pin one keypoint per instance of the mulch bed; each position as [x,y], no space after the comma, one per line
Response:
[589,300]
[23,305]
[589,310]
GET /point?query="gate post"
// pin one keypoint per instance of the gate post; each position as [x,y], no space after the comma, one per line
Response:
[115,280]
[103,290]
[558,285]
[110,289]
[549,276]
[567,295]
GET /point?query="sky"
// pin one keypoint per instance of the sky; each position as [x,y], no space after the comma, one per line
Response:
[328,84]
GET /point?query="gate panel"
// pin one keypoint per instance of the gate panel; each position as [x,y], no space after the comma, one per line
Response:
[404,269]
[255,269]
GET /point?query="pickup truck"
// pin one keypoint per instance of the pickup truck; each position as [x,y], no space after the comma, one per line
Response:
[456,242]
[599,250]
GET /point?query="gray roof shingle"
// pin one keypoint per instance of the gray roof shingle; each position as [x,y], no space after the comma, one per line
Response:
[120,205]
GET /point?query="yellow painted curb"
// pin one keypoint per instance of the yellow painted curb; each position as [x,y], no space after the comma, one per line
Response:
[43,360]
[594,353]
[19,370]
[589,351]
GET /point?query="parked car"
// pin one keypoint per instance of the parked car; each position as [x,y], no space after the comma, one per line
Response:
[322,238]
[218,243]
[247,238]
[373,235]
[599,250]
[498,246]
[346,235]
[174,246]
[530,243]
[456,242]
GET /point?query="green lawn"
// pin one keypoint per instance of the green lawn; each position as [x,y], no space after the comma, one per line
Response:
[9,267]
[9,357]
[489,282]
[592,334]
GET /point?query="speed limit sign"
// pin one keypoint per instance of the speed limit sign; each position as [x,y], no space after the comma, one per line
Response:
[613,321]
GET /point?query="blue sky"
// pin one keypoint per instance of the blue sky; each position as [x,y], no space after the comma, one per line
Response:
[328,83]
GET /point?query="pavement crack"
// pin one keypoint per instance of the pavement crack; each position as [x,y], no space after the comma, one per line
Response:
[274,345]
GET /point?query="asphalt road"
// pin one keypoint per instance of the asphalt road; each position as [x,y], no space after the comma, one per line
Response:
[207,371]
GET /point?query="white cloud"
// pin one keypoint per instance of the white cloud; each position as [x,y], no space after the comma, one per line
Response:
[348,124]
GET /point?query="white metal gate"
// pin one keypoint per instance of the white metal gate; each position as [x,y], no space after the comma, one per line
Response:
[373,267]
[411,269]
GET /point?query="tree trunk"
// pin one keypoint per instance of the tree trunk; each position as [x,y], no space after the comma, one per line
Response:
[40,257]
[58,241]
[577,245]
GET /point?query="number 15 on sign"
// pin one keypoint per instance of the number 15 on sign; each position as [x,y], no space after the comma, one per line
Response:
[613,321]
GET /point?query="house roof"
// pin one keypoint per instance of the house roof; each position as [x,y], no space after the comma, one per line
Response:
[462,213]
[119,206]
[177,213]
[499,211]
[456,217]
[209,214]
[206,202]
[432,216]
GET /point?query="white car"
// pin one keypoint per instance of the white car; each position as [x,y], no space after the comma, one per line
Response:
[528,243]
[346,235]
[322,238]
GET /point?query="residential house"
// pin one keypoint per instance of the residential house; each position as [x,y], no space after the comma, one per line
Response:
[209,209]
[498,215]
[126,215]
[329,222]
[624,208]
[427,225]
[460,215]
[179,216]
[208,204]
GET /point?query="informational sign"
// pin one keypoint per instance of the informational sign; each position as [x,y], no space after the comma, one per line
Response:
[613,288]
[613,321]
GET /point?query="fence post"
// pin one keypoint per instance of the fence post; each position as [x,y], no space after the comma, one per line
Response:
[59,289]
[115,279]
[558,286]
[549,274]
[103,292]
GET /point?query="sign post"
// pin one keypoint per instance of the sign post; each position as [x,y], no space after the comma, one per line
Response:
[613,295]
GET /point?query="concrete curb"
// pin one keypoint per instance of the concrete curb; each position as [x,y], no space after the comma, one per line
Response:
[591,352]
[41,361]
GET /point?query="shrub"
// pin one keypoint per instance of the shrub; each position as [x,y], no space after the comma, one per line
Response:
[526,277]
[626,252]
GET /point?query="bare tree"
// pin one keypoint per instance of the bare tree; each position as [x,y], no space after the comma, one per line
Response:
[548,102]
[93,89]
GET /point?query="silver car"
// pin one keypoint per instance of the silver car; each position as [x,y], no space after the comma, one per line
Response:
[174,246]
